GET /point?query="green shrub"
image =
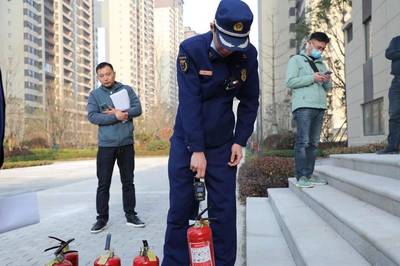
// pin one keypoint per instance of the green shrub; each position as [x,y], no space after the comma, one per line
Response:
[19,151]
[280,153]
[280,141]
[332,144]
[143,138]
[9,165]
[157,145]
[256,175]
[35,143]
[369,148]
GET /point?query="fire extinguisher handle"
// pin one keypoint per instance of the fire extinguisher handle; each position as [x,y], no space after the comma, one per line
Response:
[58,239]
[108,241]
[47,249]
[60,248]
[62,241]
[200,214]
[145,244]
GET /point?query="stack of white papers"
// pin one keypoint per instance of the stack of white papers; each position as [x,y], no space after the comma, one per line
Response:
[121,100]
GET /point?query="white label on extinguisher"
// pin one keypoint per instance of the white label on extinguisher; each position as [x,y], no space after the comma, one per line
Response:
[201,254]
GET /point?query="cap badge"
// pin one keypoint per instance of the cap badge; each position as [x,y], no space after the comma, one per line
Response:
[238,26]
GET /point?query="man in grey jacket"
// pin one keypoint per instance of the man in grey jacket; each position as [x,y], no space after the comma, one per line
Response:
[115,141]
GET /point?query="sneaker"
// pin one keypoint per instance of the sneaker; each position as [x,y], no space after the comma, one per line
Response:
[315,180]
[99,226]
[134,221]
[387,151]
[303,183]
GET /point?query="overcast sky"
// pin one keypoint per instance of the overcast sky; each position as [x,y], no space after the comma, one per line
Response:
[198,14]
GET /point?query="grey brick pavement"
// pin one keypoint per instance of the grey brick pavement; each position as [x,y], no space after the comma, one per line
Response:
[68,211]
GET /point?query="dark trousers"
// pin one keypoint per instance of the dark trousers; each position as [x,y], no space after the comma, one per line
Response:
[221,184]
[106,156]
[394,115]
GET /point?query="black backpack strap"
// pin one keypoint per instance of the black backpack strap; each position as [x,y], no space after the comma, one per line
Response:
[312,64]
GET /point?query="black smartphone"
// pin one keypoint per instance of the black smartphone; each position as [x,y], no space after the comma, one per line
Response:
[104,107]
[328,72]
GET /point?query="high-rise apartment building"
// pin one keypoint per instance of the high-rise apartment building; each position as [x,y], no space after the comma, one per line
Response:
[21,61]
[277,43]
[73,63]
[189,32]
[48,67]
[168,24]
[126,32]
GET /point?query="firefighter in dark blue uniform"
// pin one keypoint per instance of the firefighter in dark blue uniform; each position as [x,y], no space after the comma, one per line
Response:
[213,69]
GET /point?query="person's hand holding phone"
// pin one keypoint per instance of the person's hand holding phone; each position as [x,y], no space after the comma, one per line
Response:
[320,78]
[328,74]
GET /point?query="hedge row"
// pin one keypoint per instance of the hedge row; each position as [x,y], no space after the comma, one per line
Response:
[256,175]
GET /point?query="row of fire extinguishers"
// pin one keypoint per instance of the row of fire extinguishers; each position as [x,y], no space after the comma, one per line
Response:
[63,256]
[199,237]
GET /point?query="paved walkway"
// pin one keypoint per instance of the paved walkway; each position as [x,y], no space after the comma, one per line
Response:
[68,211]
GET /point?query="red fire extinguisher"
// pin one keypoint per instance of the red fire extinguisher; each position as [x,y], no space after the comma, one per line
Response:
[70,255]
[108,259]
[146,257]
[200,243]
[59,259]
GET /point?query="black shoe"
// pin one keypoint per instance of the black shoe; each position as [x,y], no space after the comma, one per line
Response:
[387,151]
[99,226]
[134,221]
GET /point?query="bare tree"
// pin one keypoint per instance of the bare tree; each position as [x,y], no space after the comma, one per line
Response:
[330,16]
[278,111]
[58,116]
[159,117]
[14,131]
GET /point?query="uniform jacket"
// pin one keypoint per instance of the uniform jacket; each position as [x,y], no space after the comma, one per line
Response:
[300,79]
[393,53]
[205,118]
[112,132]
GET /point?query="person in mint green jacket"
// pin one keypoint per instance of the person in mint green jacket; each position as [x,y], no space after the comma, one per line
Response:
[309,80]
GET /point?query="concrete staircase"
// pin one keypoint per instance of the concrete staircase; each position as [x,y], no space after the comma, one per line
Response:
[354,220]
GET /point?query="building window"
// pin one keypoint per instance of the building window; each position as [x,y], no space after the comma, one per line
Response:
[349,32]
[33,98]
[292,43]
[292,12]
[368,39]
[373,118]
[292,27]
[366,10]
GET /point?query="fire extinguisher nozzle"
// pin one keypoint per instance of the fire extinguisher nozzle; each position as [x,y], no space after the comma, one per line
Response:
[108,241]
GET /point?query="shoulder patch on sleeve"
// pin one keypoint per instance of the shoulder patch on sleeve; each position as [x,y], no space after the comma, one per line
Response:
[183,63]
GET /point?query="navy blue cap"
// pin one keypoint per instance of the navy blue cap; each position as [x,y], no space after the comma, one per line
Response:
[233,21]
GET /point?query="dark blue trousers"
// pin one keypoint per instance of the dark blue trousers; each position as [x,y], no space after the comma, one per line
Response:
[221,185]
[394,115]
